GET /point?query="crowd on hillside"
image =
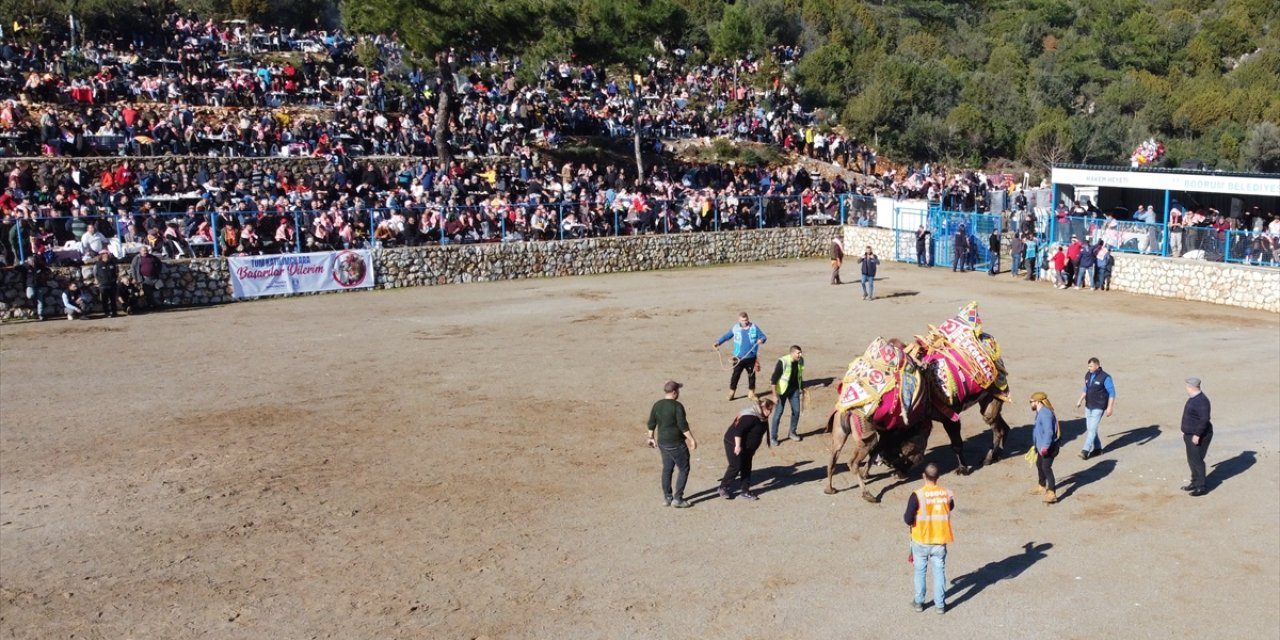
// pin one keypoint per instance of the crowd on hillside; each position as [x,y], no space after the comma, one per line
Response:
[168,99]
[192,111]
[156,97]
[176,206]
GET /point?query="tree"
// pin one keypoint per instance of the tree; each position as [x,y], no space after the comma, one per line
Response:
[738,34]
[1262,148]
[1048,142]
[432,27]
[627,33]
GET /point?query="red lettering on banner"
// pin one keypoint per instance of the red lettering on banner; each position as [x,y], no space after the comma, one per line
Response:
[245,273]
[305,269]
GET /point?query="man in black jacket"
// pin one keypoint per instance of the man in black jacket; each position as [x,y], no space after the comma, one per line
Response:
[993,248]
[960,247]
[107,277]
[1197,431]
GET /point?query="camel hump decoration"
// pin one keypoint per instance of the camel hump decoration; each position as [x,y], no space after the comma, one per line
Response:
[962,363]
[891,394]
[884,385]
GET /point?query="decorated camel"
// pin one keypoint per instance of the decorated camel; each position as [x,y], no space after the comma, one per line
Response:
[891,395]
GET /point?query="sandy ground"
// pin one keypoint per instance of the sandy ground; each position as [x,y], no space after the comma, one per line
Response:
[468,461]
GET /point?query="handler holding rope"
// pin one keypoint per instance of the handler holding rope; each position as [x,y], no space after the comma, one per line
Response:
[747,339]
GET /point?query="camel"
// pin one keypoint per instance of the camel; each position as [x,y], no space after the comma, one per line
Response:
[958,366]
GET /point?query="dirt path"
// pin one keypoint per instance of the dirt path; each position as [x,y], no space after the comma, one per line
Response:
[468,461]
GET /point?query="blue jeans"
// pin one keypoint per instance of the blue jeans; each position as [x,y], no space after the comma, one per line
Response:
[36,295]
[1081,272]
[868,286]
[922,554]
[793,397]
[1092,418]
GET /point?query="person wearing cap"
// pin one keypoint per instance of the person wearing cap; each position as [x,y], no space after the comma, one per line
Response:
[741,441]
[1097,397]
[837,259]
[929,516]
[1045,435]
[107,276]
[747,338]
[669,433]
[1197,431]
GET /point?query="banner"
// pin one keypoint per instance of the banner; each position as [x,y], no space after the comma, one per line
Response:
[300,273]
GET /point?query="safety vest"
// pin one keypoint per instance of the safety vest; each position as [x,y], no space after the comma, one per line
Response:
[933,516]
[786,374]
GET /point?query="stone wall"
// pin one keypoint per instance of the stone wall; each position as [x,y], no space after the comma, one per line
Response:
[1234,285]
[206,281]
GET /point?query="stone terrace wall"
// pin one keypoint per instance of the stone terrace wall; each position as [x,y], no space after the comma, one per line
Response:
[206,281]
[1234,285]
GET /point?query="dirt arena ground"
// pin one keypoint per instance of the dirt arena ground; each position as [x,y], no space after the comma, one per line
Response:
[469,461]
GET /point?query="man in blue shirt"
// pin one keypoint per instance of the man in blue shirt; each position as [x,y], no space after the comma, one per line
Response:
[1045,435]
[747,339]
[1098,396]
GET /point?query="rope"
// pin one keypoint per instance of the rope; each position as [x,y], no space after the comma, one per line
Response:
[733,362]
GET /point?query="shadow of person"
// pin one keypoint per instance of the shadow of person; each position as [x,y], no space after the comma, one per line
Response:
[898,294]
[1071,429]
[1230,468]
[1084,477]
[774,477]
[1138,437]
[971,584]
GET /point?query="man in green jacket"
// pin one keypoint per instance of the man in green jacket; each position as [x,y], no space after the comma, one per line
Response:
[669,433]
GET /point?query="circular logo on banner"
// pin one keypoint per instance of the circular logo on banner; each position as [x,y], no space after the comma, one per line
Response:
[349,269]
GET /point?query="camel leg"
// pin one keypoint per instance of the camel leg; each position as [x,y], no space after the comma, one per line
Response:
[838,438]
[861,462]
[992,413]
[957,445]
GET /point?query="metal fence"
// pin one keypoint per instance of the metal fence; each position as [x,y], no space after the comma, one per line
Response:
[957,239]
[226,232]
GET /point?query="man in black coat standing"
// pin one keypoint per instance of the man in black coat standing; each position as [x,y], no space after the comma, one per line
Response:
[993,248]
[1197,431]
[107,277]
[960,246]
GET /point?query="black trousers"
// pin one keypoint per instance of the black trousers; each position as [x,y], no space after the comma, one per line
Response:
[739,466]
[745,364]
[109,294]
[674,457]
[1044,469]
[1195,458]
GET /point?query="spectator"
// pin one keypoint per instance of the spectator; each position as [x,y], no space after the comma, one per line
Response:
[76,302]
[105,274]
[147,269]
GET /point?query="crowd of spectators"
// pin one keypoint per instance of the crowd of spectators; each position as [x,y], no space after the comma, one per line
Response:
[184,207]
[177,106]
[150,98]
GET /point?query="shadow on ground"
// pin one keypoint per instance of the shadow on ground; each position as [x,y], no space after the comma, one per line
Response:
[969,585]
